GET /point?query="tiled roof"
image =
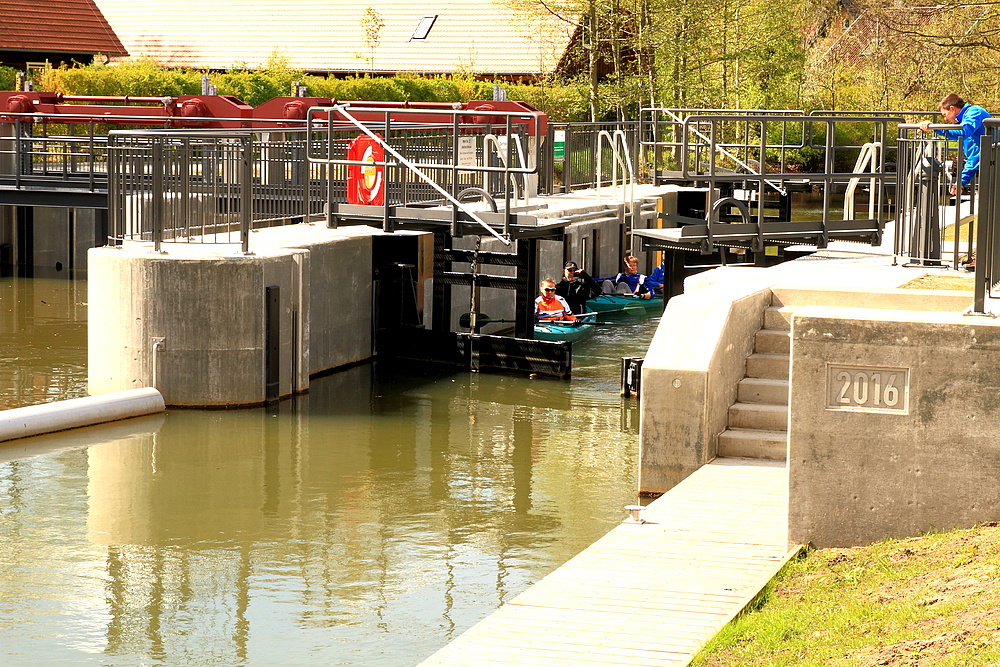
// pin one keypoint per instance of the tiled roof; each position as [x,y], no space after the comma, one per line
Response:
[58,26]
[477,36]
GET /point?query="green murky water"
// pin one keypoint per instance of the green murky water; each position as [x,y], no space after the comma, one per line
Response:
[368,522]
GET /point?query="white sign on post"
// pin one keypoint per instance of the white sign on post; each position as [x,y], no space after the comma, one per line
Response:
[467,151]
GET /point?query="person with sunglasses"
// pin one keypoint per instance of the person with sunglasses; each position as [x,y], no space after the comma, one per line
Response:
[549,306]
[577,287]
[957,112]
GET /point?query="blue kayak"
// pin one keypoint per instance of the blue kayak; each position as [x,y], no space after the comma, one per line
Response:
[621,303]
[573,332]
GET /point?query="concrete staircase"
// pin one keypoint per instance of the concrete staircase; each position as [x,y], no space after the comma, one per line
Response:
[758,421]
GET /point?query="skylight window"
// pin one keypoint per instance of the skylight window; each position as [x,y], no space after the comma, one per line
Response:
[424,27]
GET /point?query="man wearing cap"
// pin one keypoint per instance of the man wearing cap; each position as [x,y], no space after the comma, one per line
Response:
[577,287]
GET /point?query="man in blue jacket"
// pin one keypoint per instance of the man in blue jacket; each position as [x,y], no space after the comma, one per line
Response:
[970,117]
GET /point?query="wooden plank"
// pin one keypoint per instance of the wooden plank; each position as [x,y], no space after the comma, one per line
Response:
[647,594]
[584,655]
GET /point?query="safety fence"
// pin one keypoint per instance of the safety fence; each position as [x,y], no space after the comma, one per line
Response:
[63,155]
[747,158]
[208,185]
[490,157]
[581,156]
[986,248]
[934,217]
[216,186]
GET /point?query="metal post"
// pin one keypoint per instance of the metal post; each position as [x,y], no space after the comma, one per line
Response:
[331,220]
[985,226]
[387,223]
[566,171]
[456,230]
[156,205]
[506,179]
[527,269]
[246,195]
[185,184]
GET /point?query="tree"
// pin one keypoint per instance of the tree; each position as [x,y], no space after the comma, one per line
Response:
[371,25]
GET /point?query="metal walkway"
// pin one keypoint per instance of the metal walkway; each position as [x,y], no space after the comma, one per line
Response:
[648,594]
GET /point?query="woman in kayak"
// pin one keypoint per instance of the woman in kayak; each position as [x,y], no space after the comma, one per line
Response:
[630,282]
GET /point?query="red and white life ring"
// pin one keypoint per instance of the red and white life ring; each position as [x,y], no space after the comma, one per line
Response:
[364,182]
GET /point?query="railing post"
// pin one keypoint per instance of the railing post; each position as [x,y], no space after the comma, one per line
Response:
[246,194]
[156,205]
[331,221]
[986,224]
[115,173]
[567,150]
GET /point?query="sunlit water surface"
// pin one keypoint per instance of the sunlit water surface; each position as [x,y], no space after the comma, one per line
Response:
[368,522]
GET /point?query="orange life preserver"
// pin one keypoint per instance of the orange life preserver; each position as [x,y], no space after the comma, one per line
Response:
[365,184]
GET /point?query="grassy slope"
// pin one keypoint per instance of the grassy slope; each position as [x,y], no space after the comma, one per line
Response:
[930,600]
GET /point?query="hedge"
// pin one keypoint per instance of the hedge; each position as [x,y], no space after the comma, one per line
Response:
[562,101]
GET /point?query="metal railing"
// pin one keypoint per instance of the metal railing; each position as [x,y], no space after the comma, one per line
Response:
[216,186]
[572,161]
[435,163]
[170,186]
[664,149]
[986,248]
[929,223]
[765,167]
[65,155]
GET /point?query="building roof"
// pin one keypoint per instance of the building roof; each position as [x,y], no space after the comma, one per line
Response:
[873,29]
[476,36]
[57,26]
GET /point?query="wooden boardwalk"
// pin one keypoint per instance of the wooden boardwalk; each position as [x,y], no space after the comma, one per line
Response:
[648,594]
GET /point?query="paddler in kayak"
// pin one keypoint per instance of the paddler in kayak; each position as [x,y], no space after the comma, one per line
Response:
[628,283]
[549,306]
[577,287]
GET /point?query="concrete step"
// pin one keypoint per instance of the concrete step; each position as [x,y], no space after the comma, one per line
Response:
[773,366]
[772,341]
[779,318]
[754,444]
[761,416]
[762,390]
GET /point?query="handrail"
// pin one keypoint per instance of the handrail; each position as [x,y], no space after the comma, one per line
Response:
[867,156]
[918,204]
[342,110]
[616,160]
[502,154]
[713,214]
[686,127]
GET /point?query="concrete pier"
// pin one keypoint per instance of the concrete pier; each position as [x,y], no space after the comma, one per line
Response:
[193,321]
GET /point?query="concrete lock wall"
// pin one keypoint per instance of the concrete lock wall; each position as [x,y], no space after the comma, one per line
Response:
[208,306]
[209,311]
[336,289]
[689,378]
[894,424]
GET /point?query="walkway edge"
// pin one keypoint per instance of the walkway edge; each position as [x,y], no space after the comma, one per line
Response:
[792,554]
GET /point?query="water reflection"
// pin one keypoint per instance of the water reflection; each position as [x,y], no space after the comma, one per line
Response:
[43,339]
[367,522]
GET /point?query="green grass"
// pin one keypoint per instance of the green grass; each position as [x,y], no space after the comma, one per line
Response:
[924,601]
